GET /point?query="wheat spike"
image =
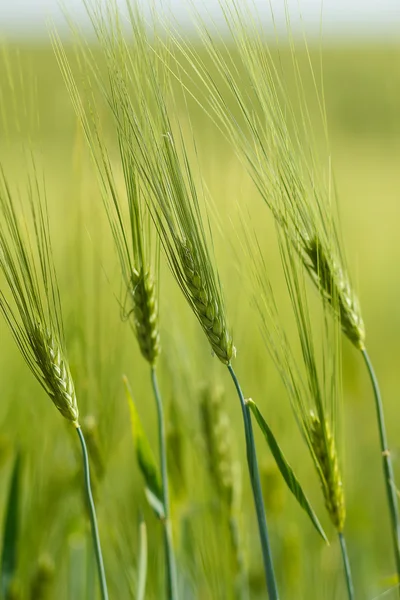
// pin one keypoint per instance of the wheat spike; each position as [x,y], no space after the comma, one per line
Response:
[333,284]
[207,311]
[324,448]
[56,376]
[145,314]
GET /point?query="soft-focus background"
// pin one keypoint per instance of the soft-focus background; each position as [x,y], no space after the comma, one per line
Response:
[361,58]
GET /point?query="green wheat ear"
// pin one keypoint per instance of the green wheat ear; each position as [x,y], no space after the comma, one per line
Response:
[206,308]
[331,280]
[56,374]
[274,139]
[323,444]
[30,299]
[145,314]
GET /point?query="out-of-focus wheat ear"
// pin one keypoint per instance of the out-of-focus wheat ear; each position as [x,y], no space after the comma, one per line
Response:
[224,471]
[43,578]
[324,448]
[145,314]
[335,288]
[218,441]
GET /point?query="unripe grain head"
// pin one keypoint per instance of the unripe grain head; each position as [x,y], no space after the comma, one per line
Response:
[334,286]
[324,447]
[206,306]
[145,314]
[56,376]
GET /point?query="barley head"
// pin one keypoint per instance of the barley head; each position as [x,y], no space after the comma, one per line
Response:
[205,307]
[324,447]
[56,376]
[145,314]
[333,284]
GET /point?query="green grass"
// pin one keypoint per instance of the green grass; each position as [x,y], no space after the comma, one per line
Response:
[362,96]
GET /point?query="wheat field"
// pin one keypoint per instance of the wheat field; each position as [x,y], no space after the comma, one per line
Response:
[54,552]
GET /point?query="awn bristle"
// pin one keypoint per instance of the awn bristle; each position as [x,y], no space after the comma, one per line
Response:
[206,309]
[331,280]
[145,313]
[217,435]
[324,448]
[56,376]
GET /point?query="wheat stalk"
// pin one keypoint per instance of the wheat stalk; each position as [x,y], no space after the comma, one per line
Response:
[315,388]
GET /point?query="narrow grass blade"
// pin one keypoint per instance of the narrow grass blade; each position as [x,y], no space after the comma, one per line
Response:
[145,457]
[285,469]
[11,530]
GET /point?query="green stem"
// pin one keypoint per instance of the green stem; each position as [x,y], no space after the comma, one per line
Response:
[387,463]
[257,495]
[346,565]
[141,586]
[93,520]
[172,587]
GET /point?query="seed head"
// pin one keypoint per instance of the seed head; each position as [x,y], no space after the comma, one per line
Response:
[324,448]
[55,374]
[145,314]
[206,307]
[333,284]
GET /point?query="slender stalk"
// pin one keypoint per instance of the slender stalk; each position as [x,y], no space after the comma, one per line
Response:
[172,587]
[346,565]
[257,495]
[387,462]
[141,585]
[93,519]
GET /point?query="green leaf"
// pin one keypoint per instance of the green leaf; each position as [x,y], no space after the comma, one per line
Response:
[145,457]
[11,530]
[285,469]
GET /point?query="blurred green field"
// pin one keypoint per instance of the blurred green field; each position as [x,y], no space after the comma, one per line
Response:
[362,93]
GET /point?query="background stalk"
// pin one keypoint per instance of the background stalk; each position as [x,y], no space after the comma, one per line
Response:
[172,587]
[386,461]
[346,565]
[257,494]
[93,519]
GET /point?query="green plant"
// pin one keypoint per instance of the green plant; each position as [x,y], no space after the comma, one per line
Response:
[32,310]
[315,390]
[275,139]
[161,160]
[129,221]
